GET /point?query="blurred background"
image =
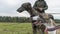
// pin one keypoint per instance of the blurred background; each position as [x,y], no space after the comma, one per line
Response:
[8,9]
[12,22]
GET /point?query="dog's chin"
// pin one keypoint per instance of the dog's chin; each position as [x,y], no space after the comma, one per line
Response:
[19,11]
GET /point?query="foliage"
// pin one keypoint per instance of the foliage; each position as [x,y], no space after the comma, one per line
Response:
[19,19]
[57,20]
[14,19]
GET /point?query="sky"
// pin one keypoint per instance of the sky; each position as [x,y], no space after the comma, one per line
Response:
[9,7]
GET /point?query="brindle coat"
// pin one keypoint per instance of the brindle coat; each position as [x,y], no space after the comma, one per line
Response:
[32,12]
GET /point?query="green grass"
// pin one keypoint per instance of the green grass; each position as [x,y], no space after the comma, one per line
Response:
[15,28]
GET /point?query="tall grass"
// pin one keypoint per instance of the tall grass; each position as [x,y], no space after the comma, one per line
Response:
[15,28]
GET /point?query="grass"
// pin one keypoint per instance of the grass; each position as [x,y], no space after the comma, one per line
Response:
[16,28]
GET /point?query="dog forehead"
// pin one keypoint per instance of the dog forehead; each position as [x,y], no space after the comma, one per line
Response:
[25,4]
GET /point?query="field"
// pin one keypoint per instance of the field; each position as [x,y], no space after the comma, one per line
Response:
[16,28]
